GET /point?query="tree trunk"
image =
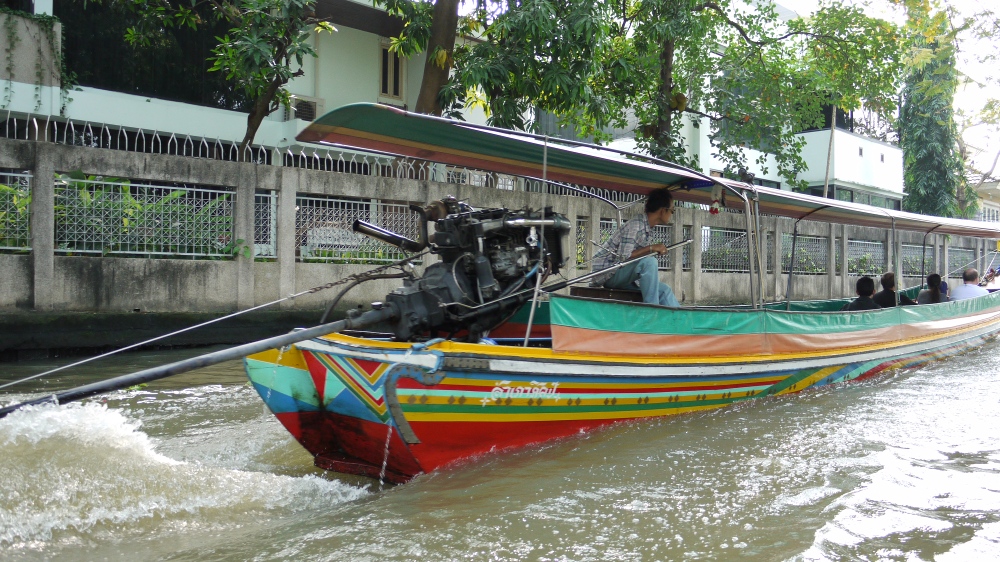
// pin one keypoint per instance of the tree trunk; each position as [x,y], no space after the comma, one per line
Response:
[664,112]
[443,29]
[261,109]
[829,152]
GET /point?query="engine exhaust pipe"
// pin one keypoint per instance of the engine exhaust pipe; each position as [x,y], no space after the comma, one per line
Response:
[389,237]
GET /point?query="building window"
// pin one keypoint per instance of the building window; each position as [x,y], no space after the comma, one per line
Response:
[391,76]
[882,157]
[861,151]
[767,183]
[715,174]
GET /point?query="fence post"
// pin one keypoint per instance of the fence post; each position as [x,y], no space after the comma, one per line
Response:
[287,183]
[831,261]
[42,225]
[677,256]
[696,221]
[243,229]
[779,258]
[890,254]
[844,273]
[946,267]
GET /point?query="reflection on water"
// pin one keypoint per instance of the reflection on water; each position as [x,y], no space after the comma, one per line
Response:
[904,467]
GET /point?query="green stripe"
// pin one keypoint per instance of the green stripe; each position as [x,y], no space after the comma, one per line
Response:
[290,381]
[381,120]
[611,317]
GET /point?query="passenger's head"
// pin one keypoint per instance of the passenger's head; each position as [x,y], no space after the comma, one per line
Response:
[888,281]
[970,275]
[865,286]
[934,286]
[659,199]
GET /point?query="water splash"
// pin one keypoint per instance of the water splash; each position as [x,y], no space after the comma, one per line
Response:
[89,470]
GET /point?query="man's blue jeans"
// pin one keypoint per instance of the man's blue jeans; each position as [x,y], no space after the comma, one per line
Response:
[646,273]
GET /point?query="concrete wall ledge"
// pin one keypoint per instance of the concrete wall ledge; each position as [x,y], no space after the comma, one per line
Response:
[47,334]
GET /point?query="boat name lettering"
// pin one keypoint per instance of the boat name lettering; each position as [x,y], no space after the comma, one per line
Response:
[535,389]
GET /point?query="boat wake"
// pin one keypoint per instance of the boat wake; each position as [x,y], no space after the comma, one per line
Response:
[84,472]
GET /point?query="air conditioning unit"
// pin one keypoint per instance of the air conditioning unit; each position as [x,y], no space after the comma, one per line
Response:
[304,108]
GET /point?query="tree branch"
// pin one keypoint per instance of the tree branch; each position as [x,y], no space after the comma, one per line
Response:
[766,41]
[696,112]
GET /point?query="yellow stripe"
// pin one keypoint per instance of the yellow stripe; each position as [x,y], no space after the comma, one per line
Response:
[291,358]
[811,379]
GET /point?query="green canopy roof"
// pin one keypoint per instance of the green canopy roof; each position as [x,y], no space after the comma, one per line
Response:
[396,132]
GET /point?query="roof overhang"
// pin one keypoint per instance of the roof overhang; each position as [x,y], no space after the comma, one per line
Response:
[392,131]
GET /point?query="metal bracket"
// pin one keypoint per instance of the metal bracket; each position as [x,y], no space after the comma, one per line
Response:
[401,370]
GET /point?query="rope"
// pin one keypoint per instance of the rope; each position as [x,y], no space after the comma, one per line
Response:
[349,278]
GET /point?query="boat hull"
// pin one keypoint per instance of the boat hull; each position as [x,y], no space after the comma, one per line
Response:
[391,410]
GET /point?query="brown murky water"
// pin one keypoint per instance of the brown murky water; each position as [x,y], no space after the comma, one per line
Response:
[904,467]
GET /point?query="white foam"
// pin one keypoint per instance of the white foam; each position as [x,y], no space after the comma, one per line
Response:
[81,468]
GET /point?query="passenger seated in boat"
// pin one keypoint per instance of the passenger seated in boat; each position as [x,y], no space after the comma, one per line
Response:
[969,287]
[631,241]
[933,293]
[886,298]
[865,287]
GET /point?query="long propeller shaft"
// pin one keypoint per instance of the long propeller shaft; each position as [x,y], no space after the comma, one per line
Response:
[369,318]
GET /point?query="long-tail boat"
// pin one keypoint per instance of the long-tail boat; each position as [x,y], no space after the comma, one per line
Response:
[413,401]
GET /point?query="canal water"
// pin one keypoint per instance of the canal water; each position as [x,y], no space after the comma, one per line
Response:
[902,467]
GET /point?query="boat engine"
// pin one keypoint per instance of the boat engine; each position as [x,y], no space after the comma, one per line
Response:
[488,257]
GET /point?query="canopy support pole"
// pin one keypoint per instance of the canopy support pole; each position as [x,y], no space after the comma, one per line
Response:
[541,242]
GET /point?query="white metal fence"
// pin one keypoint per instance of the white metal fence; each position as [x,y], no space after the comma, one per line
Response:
[265,224]
[15,211]
[323,229]
[724,250]
[960,259]
[121,218]
[811,254]
[865,257]
[915,264]
[59,130]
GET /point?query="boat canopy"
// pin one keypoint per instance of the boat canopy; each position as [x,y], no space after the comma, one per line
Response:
[393,131]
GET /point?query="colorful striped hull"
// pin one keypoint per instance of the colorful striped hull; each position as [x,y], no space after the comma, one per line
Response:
[343,398]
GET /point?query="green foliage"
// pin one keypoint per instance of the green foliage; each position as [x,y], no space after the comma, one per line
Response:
[102,214]
[380,255]
[864,264]
[755,80]
[805,263]
[537,54]
[263,50]
[932,167]
[238,247]
[15,204]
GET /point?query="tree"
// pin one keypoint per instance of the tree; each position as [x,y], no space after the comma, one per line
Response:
[932,167]
[754,80]
[529,54]
[262,52]
[430,27]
